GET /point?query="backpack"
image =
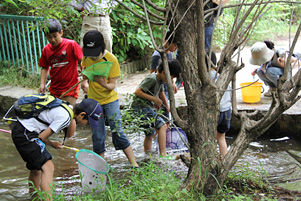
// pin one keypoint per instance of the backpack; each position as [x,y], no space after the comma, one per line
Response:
[30,106]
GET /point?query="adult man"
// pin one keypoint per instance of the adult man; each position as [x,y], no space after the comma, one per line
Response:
[97,18]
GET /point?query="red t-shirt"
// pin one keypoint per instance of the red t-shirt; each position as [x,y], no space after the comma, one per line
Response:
[63,60]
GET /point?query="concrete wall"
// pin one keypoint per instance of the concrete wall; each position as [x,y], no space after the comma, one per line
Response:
[286,125]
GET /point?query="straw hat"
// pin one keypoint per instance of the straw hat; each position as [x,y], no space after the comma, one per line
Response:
[260,54]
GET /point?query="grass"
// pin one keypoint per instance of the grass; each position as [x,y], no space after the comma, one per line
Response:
[154,181]
[17,76]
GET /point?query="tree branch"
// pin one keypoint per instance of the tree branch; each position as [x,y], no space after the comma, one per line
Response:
[148,11]
[140,16]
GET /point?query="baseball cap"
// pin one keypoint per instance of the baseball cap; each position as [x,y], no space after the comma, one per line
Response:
[93,110]
[94,44]
[260,54]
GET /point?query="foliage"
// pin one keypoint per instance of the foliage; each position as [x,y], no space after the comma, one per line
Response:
[274,23]
[130,34]
[17,76]
[154,181]
[131,122]
[246,181]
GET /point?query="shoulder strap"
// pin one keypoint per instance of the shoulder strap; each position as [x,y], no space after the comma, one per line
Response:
[68,109]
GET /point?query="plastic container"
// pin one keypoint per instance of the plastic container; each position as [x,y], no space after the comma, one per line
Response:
[93,169]
[252,93]
[174,143]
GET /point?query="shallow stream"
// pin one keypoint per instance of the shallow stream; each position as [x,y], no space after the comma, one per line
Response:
[267,154]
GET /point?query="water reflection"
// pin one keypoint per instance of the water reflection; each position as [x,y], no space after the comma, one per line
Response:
[280,166]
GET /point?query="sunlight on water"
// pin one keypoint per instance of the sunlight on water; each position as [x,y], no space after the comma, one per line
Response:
[282,168]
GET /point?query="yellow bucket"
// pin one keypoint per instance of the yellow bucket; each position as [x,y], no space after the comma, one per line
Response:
[252,93]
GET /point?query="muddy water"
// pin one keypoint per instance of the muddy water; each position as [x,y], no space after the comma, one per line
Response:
[271,155]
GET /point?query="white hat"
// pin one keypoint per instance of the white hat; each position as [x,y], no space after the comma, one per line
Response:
[260,54]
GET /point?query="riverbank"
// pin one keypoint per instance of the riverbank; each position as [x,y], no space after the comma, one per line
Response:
[129,82]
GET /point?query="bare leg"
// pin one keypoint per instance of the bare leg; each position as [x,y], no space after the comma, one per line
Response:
[102,154]
[70,99]
[47,178]
[162,140]
[35,178]
[221,140]
[148,143]
[130,155]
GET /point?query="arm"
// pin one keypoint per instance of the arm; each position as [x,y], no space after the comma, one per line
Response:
[44,74]
[71,129]
[157,101]
[102,81]
[85,84]
[281,61]
[175,88]
[44,137]
[218,2]
[80,64]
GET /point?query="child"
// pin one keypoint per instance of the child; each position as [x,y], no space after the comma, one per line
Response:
[225,112]
[150,94]
[62,56]
[103,90]
[30,137]
[172,46]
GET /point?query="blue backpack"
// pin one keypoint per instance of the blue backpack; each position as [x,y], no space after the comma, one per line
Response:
[30,106]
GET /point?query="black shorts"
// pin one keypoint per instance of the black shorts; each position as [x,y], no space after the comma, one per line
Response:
[29,151]
[224,121]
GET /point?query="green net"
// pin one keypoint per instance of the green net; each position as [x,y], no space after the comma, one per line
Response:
[101,69]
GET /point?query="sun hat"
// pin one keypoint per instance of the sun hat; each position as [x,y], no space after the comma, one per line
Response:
[94,43]
[260,54]
[93,110]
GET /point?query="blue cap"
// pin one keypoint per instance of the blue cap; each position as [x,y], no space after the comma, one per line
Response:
[93,110]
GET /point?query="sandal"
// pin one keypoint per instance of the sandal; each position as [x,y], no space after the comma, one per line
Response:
[168,157]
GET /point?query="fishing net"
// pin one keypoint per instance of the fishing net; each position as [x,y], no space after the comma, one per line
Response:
[174,142]
[101,69]
[93,169]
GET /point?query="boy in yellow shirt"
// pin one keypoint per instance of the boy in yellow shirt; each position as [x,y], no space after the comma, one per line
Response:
[102,90]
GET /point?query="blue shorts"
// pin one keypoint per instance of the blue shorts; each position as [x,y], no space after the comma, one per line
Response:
[224,121]
[147,114]
[30,151]
[111,112]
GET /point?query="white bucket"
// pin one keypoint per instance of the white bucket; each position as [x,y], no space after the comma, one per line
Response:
[93,169]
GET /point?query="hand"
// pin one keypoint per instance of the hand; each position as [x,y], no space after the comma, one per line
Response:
[157,103]
[85,86]
[42,89]
[56,145]
[254,71]
[100,80]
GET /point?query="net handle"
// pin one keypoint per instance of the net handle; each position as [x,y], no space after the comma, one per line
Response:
[91,152]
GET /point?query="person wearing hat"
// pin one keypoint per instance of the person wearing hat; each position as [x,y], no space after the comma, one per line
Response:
[103,90]
[271,63]
[31,135]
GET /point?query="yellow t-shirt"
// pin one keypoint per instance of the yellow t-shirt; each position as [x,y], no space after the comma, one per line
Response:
[97,92]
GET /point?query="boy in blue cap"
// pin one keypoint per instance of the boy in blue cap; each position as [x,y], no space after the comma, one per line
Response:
[31,135]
